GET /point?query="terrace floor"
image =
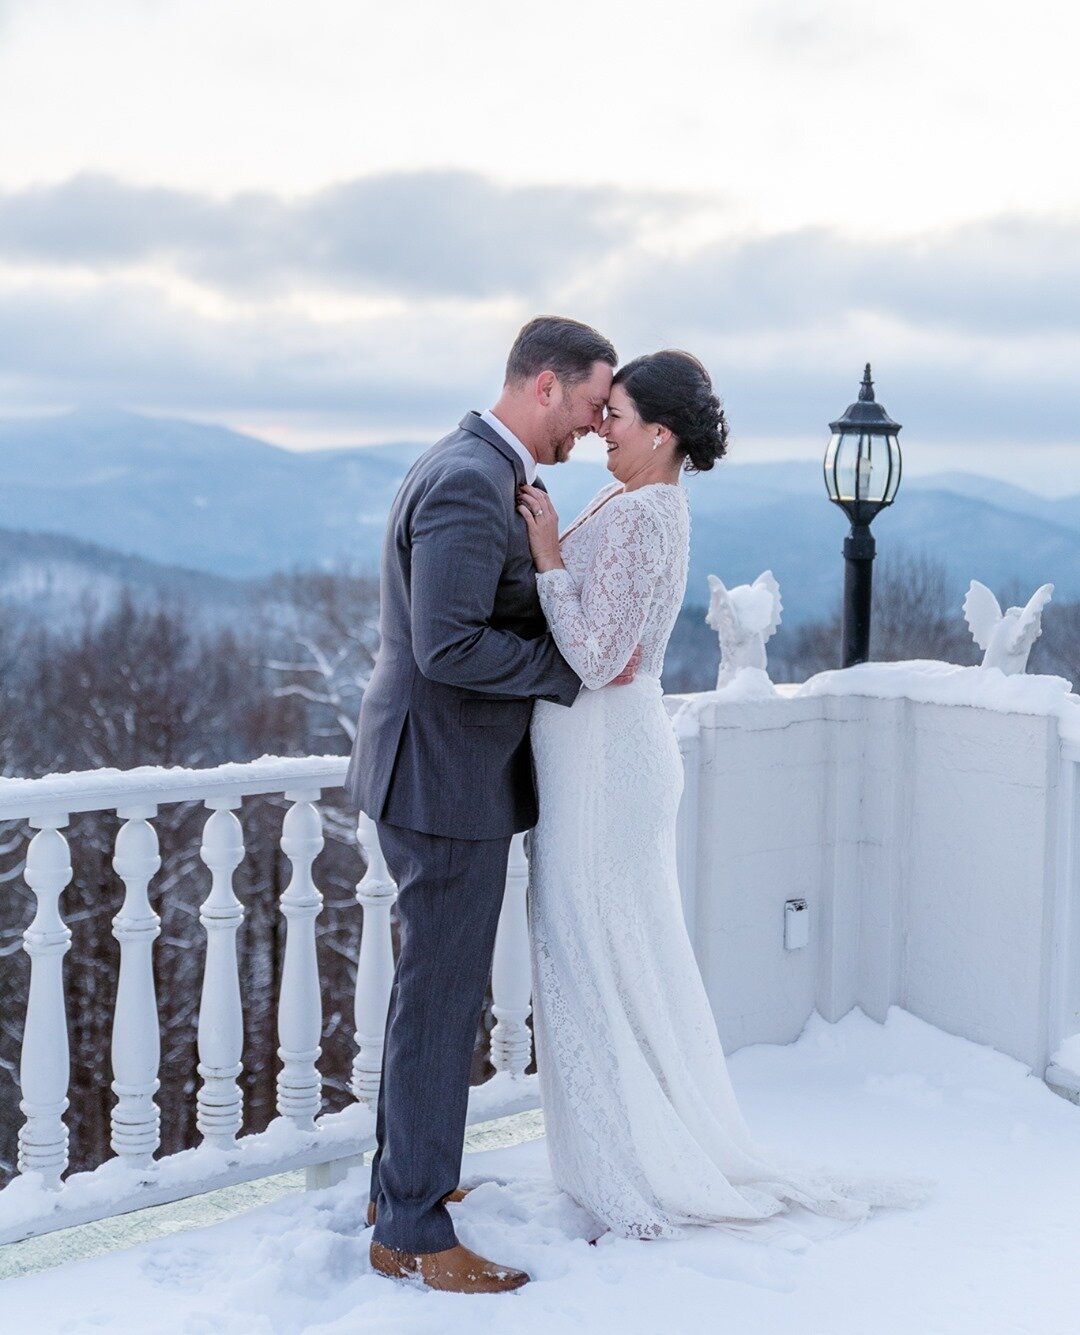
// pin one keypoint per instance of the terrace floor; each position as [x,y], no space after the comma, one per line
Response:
[993,1250]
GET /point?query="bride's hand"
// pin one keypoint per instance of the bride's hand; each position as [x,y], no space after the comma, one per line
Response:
[542,526]
[627,675]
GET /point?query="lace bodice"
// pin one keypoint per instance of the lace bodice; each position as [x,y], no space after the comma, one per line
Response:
[626,559]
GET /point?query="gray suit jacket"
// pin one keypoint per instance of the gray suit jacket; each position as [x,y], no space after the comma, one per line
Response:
[442,745]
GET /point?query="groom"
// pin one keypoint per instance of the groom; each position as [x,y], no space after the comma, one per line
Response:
[442,764]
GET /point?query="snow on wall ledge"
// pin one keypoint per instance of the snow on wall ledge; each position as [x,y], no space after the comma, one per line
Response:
[926,682]
[927,814]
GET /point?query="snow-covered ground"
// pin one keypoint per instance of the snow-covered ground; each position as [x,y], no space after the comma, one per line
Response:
[993,1250]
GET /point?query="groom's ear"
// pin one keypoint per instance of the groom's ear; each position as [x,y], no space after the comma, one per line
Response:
[545,387]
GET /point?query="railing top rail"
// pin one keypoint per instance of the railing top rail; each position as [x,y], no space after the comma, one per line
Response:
[151,785]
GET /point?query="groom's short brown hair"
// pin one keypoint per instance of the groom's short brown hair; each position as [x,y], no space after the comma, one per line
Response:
[553,343]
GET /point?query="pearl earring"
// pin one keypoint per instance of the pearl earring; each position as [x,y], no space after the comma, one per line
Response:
[656,442]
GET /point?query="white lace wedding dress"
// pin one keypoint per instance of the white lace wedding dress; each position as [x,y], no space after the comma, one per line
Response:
[643,1129]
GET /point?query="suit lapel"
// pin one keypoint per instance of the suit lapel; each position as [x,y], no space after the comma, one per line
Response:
[475,424]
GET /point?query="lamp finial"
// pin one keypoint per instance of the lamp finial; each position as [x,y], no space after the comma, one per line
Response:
[866,389]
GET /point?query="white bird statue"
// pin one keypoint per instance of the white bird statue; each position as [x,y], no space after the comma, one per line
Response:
[1006,637]
[744,618]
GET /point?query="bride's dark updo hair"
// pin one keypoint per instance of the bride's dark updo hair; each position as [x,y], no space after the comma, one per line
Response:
[673,389]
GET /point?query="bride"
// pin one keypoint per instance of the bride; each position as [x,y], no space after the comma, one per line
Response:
[643,1128]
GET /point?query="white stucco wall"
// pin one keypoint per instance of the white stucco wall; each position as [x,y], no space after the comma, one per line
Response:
[977,905]
[928,840]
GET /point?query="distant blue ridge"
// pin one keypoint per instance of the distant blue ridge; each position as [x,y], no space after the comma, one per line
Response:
[206,498]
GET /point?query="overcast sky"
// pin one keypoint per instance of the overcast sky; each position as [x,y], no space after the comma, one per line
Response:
[325,221]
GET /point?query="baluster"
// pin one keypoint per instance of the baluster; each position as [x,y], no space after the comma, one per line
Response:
[221,1021]
[375,967]
[45,1067]
[511,970]
[136,1036]
[299,1086]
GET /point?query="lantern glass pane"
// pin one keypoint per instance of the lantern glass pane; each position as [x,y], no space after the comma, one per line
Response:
[847,456]
[871,468]
[830,465]
[894,459]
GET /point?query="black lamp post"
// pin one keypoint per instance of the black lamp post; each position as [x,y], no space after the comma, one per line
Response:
[862,473]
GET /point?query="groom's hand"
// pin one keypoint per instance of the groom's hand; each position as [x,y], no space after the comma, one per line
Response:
[627,675]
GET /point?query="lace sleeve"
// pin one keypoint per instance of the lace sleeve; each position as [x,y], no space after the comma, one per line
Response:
[598,627]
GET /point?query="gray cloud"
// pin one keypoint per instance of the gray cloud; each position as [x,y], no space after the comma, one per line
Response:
[95,220]
[457,235]
[448,233]
[935,403]
[960,319]
[122,344]
[816,31]
[995,277]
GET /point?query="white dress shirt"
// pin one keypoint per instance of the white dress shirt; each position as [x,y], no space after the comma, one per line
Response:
[515,444]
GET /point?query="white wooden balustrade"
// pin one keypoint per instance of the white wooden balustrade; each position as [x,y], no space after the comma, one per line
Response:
[43,1074]
[511,1038]
[41,1200]
[299,1085]
[953,891]
[375,973]
[136,1041]
[221,1016]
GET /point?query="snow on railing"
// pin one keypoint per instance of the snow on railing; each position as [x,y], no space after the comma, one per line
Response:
[40,1200]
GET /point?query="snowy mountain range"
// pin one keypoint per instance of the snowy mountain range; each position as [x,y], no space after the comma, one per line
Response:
[57,579]
[208,499]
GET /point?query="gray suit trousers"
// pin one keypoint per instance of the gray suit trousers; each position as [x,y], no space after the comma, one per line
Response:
[449,895]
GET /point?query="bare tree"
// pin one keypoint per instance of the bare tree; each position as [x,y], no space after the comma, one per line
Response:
[330,619]
[917,612]
[1057,651]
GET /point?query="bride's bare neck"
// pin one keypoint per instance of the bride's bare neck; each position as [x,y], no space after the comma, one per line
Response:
[654,472]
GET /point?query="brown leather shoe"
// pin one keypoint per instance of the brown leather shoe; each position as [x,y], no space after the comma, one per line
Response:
[454,1197]
[456,1270]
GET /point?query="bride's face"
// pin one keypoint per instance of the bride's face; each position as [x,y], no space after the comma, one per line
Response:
[629,440]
